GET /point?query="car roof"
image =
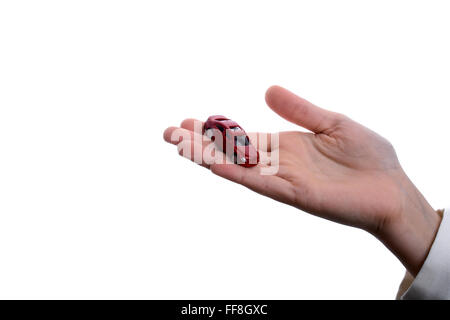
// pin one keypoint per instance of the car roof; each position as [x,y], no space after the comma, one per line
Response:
[224,121]
[229,124]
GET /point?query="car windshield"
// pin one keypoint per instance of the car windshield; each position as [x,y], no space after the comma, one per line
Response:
[235,129]
[241,141]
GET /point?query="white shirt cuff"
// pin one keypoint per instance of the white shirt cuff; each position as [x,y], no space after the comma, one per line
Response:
[433,279]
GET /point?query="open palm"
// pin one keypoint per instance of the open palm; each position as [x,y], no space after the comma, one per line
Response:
[340,171]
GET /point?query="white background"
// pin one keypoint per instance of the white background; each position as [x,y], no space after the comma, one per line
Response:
[94,204]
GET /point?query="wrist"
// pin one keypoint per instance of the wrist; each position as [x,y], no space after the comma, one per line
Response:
[411,234]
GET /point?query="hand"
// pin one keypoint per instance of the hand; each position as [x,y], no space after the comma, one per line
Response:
[340,171]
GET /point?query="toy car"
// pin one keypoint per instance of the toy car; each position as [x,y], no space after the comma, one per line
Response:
[234,138]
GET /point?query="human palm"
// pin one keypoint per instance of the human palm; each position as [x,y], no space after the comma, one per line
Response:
[340,171]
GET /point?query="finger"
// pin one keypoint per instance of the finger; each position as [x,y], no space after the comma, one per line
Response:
[196,147]
[175,135]
[193,125]
[261,140]
[201,152]
[192,150]
[299,111]
[269,185]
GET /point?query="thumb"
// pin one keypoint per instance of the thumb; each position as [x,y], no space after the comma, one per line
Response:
[299,111]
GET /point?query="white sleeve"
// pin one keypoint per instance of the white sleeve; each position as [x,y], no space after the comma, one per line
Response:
[433,279]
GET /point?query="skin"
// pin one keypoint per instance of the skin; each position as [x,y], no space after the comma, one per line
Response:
[340,171]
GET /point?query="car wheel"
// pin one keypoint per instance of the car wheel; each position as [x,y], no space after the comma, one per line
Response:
[209,133]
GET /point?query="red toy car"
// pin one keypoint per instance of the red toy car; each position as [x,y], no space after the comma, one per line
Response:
[234,138]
